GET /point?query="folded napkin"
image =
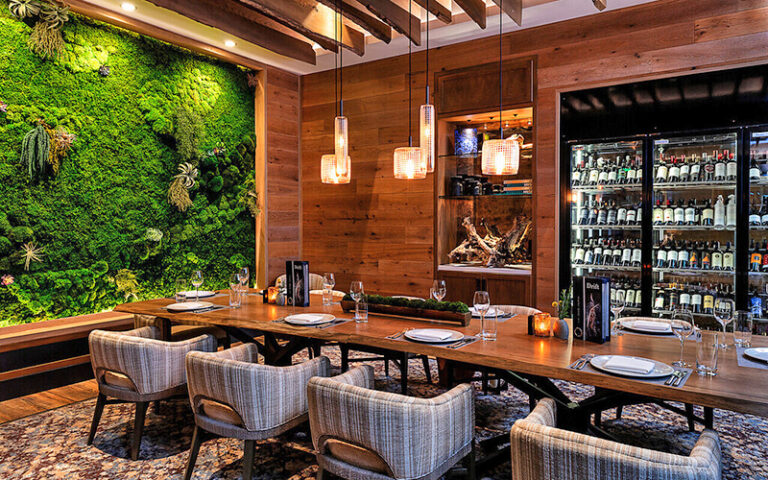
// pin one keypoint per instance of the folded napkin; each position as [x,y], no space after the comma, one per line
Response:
[651,325]
[431,336]
[492,312]
[629,364]
[307,318]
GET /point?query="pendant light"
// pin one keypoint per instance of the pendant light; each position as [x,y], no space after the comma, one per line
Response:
[336,168]
[427,118]
[501,157]
[409,161]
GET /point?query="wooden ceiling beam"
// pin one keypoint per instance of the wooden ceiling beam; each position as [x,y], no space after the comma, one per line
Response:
[208,12]
[314,21]
[475,9]
[440,11]
[513,8]
[360,17]
[397,17]
[600,4]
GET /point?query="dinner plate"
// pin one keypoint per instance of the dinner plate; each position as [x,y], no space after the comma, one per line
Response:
[187,306]
[417,335]
[659,370]
[203,294]
[309,319]
[760,353]
[631,324]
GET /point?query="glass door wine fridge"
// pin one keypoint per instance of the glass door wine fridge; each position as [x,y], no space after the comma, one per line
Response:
[757,255]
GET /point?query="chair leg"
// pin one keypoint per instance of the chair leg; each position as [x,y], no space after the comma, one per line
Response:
[344,358]
[471,468]
[404,374]
[194,449]
[250,447]
[598,418]
[691,419]
[427,371]
[138,428]
[531,402]
[321,474]
[709,418]
[226,343]
[619,410]
[386,366]
[101,400]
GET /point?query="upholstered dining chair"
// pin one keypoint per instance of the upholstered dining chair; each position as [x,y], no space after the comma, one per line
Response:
[542,452]
[233,396]
[135,366]
[315,281]
[185,332]
[362,434]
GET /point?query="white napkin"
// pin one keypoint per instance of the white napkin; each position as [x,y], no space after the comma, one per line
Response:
[307,318]
[492,312]
[628,364]
[651,325]
[432,336]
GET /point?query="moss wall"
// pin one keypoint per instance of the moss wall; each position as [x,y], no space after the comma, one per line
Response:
[104,223]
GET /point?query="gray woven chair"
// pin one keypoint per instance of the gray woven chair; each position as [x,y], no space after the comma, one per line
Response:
[542,452]
[233,396]
[184,332]
[361,434]
[135,366]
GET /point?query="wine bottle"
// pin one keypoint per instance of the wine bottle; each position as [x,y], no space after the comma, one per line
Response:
[669,214]
[602,213]
[630,218]
[690,213]
[696,301]
[683,254]
[589,253]
[594,175]
[679,213]
[602,177]
[674,299]
[658,213]
[630,171]
[755,257]
[708,301]
[661,171]
[754,170]
[671,255]
[685,170]
[626,254]
[764,253]
[720,168]
[730,168]
[695,169]
[598,253]
[709,168]
[719,212]
[617,253]
[685,299]
[584,214]
[660,302]
[637,254]
[755,217]
[730,211]
[764,211]
[673,174]
[592,213]
[578,257]
[661,256]
[639,214]
[717,257]
[612,213]
[693,256]
[728,257]
[707,214]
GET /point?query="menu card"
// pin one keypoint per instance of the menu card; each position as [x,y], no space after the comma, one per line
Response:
[297,283]
[592,308]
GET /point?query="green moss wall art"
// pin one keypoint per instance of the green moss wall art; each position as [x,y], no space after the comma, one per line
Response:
[125,163]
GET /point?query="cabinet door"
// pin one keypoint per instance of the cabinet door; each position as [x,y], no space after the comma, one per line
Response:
[508,290]
[461,288]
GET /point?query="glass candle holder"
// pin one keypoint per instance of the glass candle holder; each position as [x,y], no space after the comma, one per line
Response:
[542,325]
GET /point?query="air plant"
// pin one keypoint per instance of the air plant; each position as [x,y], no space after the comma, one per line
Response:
[54,14]
[35,150]
[178,195]
[187,175]
[30,253]
[61,142]
[45,41]
[22,9]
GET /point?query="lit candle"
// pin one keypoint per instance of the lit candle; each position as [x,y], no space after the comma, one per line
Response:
[541,324]
[272,294]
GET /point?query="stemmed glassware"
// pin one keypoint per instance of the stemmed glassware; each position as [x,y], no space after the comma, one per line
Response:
[244,276]
[197,281]
[682,327]
[616,308]
[356,292]
[329,281]
[438,290]
[482,302]
[723,310]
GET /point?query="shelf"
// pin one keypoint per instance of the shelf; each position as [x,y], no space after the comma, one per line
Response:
[517,270]
[758,227]
[606,227]
[758,274]
[693,271]
[472,197]
[694,228]
[695,186]
[607,188]
[618,268]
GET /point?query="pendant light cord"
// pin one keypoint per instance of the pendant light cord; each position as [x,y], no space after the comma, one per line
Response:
[501,17]
[341,64]
[336,62]
[410,42]
[427,70]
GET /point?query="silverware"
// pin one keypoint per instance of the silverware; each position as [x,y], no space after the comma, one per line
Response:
[582,361]
[399,334]
[675,378]
[462,343]
[681,375]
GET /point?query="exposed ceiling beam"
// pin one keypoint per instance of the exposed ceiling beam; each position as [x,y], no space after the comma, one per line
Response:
[475,9]
[219,15]
[600,4]
[363,19]
[397,17]
[313,20]
[513,8]
[437,9]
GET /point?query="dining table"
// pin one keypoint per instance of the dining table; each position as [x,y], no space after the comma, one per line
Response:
[529,363]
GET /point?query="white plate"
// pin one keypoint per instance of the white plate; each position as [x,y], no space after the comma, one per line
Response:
[203,293]
[760,353]
[417,335]
[187,306]
[309,319]
[631,324]
[659,370]
[492,312]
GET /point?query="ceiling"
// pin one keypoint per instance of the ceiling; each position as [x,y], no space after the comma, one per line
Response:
[299,35]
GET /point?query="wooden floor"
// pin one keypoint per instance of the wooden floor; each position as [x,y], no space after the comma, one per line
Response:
[48,400]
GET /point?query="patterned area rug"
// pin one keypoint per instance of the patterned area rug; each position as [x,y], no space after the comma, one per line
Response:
[51,445]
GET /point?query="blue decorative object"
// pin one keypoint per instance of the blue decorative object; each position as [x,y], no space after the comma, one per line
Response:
[466,141]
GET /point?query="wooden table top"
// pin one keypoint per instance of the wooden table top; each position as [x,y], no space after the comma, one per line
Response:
[740,389]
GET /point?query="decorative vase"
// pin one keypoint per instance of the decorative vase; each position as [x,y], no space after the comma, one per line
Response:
[560,328]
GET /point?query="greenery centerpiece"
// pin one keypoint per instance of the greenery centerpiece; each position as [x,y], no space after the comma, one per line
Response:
[405,307]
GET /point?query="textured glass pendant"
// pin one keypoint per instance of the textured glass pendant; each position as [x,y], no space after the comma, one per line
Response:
[341,141]
[501,157]
[330,170]
[427,136]
[409,163]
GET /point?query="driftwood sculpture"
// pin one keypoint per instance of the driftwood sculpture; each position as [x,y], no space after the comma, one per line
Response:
[494,249]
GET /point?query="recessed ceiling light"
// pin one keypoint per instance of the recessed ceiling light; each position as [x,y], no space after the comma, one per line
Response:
[128,7]
[229,43]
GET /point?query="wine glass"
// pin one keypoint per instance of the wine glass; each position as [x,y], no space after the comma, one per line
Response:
[244,276]
[482,302]
[438,290]
[197,281]
[723,310]
[616,308]
[682,327]
[356,292]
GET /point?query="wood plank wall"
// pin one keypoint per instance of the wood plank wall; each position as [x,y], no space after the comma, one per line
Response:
[379,230]
[283,196]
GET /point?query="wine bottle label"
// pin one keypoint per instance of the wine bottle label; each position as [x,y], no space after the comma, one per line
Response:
[682,256]
[709,301]
[630,175]
[685,170]
[589,257]
[764,219]
[706,260]
[621,216]
[693,259]
[612,176]
[685,298]
[601,217]
[717,260]
[629,297]
[765,261]
[661,256]
[730,170]
[593,176]
[756,259]
[626,255]
[707,214]
[754,173]
[600,162]
[630,216]
[695,172]
[728,260]
[719,169]
[669,215]
[680,215]
[672,256]
[639,216]
[696,299]
[754,219]
[579,254]
[661,173]
[612,217]
[637,255]
[658,215]
[690,215]
[603,177]
[659,303]
[674,173]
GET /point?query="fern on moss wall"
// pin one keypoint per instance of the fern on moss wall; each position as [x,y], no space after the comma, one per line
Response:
[100,215]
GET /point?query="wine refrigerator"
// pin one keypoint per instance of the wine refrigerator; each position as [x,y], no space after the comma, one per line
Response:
[675,221]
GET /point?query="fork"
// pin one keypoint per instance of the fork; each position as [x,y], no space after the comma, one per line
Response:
[399,334]
[676,376]
[680,377]
[582,361]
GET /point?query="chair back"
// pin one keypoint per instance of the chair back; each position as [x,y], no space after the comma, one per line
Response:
[520,310]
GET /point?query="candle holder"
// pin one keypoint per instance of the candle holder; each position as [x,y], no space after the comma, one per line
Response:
[272,295]
[542,324]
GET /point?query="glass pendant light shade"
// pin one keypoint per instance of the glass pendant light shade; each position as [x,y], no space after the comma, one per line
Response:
[333,173]
[409,163]
[427,136]
[501,157]
[341,141]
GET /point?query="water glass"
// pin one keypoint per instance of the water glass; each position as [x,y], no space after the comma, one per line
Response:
[329,281]
[357,293]
[235,291]
[742,329]
[438,290]
[361,313]
[707,348]
[482,302]
[616,308]
[181,290]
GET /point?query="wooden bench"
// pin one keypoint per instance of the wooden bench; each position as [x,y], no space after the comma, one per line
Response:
[44,355]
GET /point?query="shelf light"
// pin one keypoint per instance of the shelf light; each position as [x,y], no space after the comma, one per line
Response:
[128,6]
[229,43]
